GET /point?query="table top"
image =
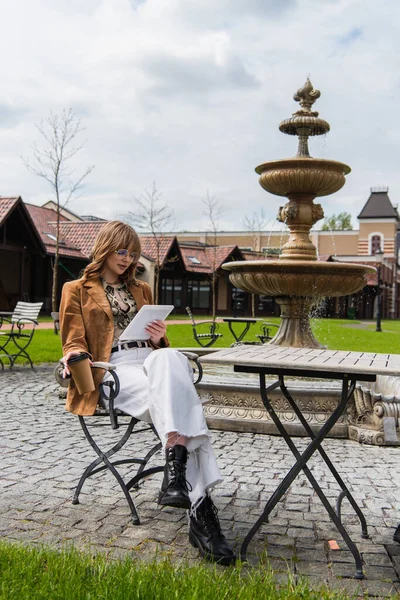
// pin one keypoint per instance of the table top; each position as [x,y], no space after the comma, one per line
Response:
[240,320]
[310,359]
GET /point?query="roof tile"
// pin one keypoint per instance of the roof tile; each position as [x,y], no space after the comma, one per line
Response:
[6,205]
[45,223]
[378,206]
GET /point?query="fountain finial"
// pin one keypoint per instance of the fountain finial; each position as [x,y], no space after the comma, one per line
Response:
[306,95]
[305,122]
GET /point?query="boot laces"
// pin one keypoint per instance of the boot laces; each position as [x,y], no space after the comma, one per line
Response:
[177,473]
[209,516]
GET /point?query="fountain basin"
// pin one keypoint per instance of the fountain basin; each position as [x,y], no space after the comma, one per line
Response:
[302,175]
[298,278]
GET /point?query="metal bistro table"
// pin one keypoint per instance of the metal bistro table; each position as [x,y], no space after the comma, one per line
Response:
[232,320]
[348,367]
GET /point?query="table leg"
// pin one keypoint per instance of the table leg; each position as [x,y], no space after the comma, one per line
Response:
[239,337]
[232,331]
[345,493]
[301,465]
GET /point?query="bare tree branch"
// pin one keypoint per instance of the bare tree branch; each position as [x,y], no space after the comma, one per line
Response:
[50,161]
[154,217]
[214,211]
[254,225]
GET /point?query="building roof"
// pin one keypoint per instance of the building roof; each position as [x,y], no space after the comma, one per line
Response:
[206,259]
[378,206]
[6,206]
[71,216]
[10,206]
[45,223]
[81,234]
[149,247]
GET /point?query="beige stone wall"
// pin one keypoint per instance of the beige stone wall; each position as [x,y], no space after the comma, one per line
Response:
[240,238]
[335,243]
[386,229]
[366,228]
[341,243]
[148,275]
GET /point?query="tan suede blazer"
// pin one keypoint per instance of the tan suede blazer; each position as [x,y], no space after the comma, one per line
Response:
[86,325]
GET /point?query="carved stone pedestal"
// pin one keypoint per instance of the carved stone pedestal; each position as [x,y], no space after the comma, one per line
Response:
[236,405]
[372,405]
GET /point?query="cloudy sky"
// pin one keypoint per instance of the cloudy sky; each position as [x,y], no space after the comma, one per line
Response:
[190,93]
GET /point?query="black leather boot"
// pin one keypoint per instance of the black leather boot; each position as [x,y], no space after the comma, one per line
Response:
[175,487]
[396,535]
[206,535]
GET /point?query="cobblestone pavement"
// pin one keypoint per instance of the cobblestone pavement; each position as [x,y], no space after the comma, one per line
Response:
[44,453]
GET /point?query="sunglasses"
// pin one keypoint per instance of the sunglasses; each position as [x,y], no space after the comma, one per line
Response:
[125,253]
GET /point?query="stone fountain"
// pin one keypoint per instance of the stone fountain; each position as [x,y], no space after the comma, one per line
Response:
[297,280]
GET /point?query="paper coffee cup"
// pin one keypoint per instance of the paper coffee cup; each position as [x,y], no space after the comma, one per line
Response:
[81,374]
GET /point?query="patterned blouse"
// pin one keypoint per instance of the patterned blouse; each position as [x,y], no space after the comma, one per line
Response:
[122,304]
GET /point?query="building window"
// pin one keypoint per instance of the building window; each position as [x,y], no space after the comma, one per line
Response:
[198,293]
[171,292]
[376,242]
[194,260]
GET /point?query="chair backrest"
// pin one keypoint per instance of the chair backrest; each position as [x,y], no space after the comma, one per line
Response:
[189,312]
[24,312]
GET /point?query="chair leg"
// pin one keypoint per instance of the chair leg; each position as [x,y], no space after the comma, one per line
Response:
[22,352]
[103,457]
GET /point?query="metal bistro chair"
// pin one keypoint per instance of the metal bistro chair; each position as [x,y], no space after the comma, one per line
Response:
[266,334]
[15,341]
[204,339]
[106,415]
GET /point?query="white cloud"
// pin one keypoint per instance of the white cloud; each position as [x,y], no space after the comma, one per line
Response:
[190,93]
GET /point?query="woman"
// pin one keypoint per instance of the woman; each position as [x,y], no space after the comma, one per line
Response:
[156,381]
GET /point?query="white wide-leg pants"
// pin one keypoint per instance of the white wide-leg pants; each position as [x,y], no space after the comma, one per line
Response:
[157,387]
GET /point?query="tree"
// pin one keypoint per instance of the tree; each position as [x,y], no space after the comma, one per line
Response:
[214,211]
[152,216]
[254,226]
[340,222]
[51,161]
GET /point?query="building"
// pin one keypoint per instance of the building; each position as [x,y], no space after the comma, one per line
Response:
[379,228]
[27,251]
[183,268]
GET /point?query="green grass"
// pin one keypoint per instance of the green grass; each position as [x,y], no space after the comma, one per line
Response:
[334,334]
[357,335]
[32,573]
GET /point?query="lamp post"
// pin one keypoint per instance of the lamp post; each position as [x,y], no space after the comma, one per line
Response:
[378,258]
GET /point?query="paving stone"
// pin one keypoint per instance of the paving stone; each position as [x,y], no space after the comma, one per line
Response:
[375,559]
[380,588]
[319,569]
[347,586]
[44,454]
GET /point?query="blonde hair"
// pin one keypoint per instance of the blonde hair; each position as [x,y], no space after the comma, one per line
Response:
[114,235]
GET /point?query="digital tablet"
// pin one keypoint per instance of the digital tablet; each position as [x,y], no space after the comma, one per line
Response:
[148,313]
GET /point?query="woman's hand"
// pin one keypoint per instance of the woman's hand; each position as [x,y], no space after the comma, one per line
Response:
[66,372]
[156,331]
